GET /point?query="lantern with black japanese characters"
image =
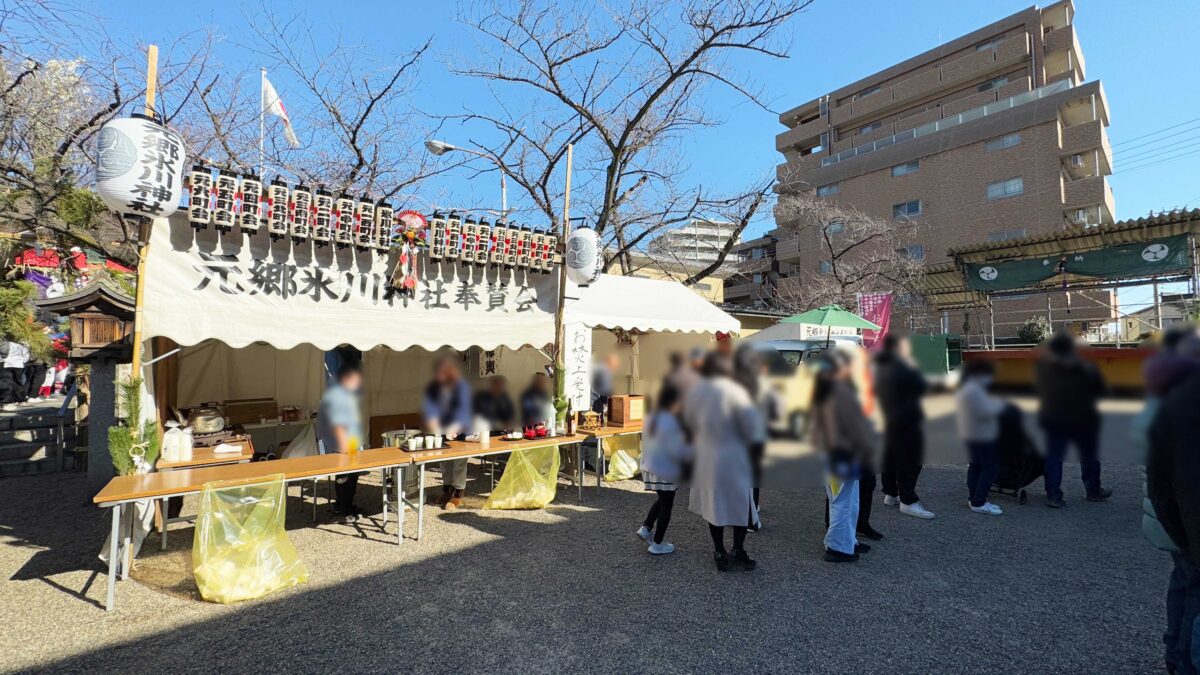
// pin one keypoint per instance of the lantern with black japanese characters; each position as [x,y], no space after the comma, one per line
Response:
[250,190]
[499,242]
[454,235]
[384,214]
[437,237]
[584,259]
[276,212]
[483,243]
[343,221]
[223,214]
[322,226]
[364,224]
[200,184]
[140,167]
[301,212]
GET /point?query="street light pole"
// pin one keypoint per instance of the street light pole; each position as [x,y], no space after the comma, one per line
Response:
[440,148]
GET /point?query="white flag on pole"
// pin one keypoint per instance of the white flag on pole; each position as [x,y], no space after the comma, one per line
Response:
[272,104]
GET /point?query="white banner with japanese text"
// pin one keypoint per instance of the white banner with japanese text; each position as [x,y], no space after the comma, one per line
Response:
[243,289]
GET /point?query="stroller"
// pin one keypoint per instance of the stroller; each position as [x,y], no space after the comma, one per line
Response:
[1021,462]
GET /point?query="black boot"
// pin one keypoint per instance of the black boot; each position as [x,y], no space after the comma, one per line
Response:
[722,561]
[744,561]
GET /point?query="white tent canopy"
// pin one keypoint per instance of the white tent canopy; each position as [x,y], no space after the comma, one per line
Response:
[645,305]
[242,289]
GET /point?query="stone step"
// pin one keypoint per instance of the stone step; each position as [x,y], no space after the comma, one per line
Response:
[29,467]
[39,434]
[25,452]
[35,419]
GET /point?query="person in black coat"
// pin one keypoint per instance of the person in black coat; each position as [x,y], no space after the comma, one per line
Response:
[1069,390]
[1173,485]
[899,387]
[495,405]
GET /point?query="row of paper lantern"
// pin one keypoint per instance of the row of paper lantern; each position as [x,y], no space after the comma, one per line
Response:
[139,170]
[227,200]
[511,246]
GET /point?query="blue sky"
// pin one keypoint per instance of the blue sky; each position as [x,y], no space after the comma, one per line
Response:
[1143,52]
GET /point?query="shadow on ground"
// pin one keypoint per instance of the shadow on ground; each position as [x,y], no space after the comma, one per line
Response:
[570,588]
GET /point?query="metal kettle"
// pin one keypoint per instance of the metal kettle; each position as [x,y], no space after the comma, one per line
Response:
[207,418]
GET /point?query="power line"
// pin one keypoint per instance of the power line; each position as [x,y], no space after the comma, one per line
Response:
[1165,160]
[1156,141]
[1158,152]
[1155,133]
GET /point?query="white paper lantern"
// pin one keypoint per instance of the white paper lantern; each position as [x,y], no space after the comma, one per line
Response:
[583,258]
[139,167]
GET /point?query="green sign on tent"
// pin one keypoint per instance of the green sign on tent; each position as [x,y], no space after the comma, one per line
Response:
[1160,256]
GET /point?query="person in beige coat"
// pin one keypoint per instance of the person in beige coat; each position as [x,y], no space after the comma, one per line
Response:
[723,422]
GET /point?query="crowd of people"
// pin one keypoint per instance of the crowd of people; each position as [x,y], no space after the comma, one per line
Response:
[449,409]
[710,426]
[712,420]
[24,378]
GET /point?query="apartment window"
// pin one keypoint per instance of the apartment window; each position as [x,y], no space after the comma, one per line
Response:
[984,46]
[1005,188]
[756,253]
[906,209]
[758,278]
[867,92]
[828,190]
[1005,235]
[993,83]
[868,128]
[912,252]
[1002,142]
[835,226]
[906,168]
[825,267]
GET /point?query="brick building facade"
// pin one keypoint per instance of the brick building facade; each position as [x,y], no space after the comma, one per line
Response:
[994,135]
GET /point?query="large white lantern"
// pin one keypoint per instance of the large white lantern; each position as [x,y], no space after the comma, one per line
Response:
[583,258]
[139,167]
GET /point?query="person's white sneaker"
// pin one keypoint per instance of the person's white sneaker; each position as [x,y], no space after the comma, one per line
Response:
[917,511]
[889,500]
[35,400]
[661,549]
[645,533]
[8,407]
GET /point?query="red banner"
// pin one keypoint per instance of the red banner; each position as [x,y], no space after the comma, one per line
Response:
[876,308]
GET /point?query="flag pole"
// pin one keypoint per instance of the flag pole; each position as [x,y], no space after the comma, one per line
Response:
[143,227]
[262,113]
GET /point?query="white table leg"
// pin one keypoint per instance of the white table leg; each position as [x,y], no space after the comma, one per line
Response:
[165,519]
[315,499]
[383,475]
[112,558]
[420,501]
[126,540]
[579,469]
[399,505]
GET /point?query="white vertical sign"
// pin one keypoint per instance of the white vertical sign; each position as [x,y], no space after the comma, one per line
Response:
[577,358]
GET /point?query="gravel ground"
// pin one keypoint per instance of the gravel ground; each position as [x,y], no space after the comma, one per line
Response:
[571,588]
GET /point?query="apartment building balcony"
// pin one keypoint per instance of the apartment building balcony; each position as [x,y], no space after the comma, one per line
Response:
[971,66]
[1085,150]
[805,135]
[752,265]
[1088,201]
[1062,51]
[1088,107]
[788,249]
[743,291]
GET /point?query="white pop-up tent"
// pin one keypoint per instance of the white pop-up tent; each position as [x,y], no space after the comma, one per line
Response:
[660,315]
[252,318]
[240,316]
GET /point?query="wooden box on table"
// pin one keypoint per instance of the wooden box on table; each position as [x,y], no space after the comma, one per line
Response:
[626,410]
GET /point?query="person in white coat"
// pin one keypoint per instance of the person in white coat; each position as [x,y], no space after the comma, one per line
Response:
[979,427]
[665,452]
[723,421]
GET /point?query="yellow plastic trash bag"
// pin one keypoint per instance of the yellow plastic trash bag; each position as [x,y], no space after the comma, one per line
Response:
[622,453]
[241,550]
[530,480]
